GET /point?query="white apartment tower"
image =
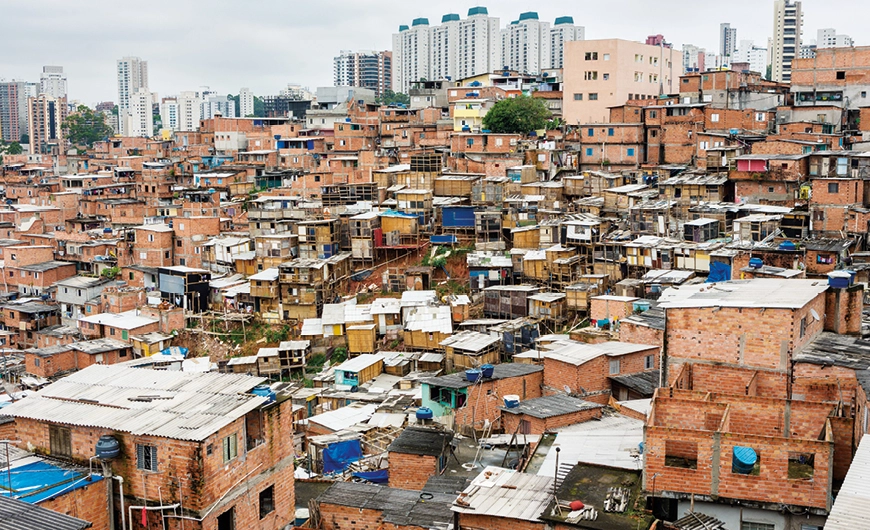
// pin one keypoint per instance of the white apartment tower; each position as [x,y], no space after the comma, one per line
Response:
[756,56]
[444,49]
[188,111]
[787,29]
[563,31]
[479,44]
[169,113]
[132,88]
[828,38]
[525,45]
[411,54]
[246,102]
[52,82]
[727,39]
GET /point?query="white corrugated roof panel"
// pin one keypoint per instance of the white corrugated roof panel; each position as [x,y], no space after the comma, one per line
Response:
[853,502]
[611,441]
[507,494]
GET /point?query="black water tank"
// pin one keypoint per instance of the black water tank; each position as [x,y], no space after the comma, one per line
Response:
[108,447]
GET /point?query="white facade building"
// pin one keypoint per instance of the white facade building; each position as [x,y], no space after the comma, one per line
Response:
[246,102]
[828,38]
[444,48]
[132,83]
[479,44]
[212,104]
[411,54]
[563,31]
[52,82]
[189,111]
[756,56]
[137,120]
[727,39]
[525,45]
[787,30]
[693,58]
[169,114]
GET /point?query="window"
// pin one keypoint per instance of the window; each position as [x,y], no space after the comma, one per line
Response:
[606,56]
[833,187]
[227,520]
[610,131]
[841,74]
[231,448]
[649,362]
[590,132]
[760,116]
[629,151]
[267,501]
[714,118]
[653,114]
[578,97]
[146,457]
[746,525]
[614,366]
[589,151]
[681,454]
[638,58]
[593,96]
[590,76]
[60,441]
[591,56]
[606,77]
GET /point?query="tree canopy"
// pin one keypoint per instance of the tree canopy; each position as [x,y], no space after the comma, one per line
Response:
[86,126]
[14,149]
[520,115]
[393,98]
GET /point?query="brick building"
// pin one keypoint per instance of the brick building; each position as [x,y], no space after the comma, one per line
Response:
[57,360]
[417,454]
[200,437]
[544,414]
[352,506]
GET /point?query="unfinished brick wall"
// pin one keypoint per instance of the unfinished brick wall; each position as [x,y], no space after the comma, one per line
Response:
[813,382]
[510,422]
[843,308]
[637,334]
[591,376]
[410,472]
[89,503]
[484,400]
[738,381]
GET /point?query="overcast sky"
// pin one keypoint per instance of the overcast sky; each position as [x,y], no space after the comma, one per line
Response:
[266,44]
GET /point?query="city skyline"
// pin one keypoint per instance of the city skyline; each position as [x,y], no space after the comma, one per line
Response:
[262,50]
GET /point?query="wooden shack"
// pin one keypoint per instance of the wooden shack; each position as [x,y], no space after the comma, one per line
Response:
[268,363]
[292,355]
[535,266]
[470,349]
[361,230]
[580,293]
[361,339]
[455,185]
[549,307]
[526,237]
[508,301]
[358,370]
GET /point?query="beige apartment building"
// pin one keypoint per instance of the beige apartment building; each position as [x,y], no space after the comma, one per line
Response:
[605,73]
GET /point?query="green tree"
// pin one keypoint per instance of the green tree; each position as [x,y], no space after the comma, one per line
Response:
[259,109]
[768,74]
[519,115]
[86,126]
[393,98]
[25,138]
[14,149]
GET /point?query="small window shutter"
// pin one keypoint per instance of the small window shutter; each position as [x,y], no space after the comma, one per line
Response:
[140,456]
[226,449]
[153,458]
[234,451]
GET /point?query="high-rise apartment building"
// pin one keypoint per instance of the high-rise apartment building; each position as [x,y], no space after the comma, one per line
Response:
[828,38]
[246,102]
[727,39]
[479,44]
[411,54]
[13,110]
[45,123]
[693,58]
[599,74]
[525,45]
[213,104]
[444,48]
[53,82]
[754,56]
[563,31]
[188,111]
[169,113]
[365,69]
[132,91]
[787,31]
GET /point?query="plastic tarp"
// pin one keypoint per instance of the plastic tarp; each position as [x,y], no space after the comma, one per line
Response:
[337,456]
[719,272]
[174,350]
[381,476]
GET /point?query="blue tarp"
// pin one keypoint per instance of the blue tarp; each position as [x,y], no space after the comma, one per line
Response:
[381,476]
[337,456]
[719,272]
[40,480]
[174,350]
[446,239]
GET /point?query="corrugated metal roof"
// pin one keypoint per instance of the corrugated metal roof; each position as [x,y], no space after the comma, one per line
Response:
[507,494]
[360,362]
[19,515]
[338,419]
[171,404]
[429,319]
[770,293]
[469,341]
[853,502]
[551,406]
[610,441]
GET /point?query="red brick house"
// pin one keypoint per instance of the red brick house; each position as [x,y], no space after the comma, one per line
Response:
[416,455]
[54,360]
[544,414]
[203,438]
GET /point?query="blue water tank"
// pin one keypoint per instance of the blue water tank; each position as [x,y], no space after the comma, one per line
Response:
[108,447]
[744,459]
[839,279]
[756,263]
[787,245]
[472,375]
[264,391]
[640,306]
[511,401]
[425,413]
[487,370]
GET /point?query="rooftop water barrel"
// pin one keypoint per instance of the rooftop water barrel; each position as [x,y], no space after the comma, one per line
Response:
[472,375]
[487,370]
[839,279]
[744,460]
[756,263]
[787,245]
[512,401]
[425,413]
[108,447]
[302,515]
[852,276]
[264,391]
[640,306]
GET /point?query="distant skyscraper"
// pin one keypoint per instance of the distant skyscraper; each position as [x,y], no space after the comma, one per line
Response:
[727,39]
[13,110]
[411,54]
[828,38]
[45,123]
[169,113]
[525,45]
[53,82]
[213,104]
[365,69]
[188,111]
[563,31]
[132,93]
[754,56]
[693,58]
[787,29]
[246,102]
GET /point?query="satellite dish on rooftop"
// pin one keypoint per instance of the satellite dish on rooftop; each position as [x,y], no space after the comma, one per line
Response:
[567,389]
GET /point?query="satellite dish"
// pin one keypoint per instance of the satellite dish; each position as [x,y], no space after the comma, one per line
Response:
[567,389]
[815,315]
